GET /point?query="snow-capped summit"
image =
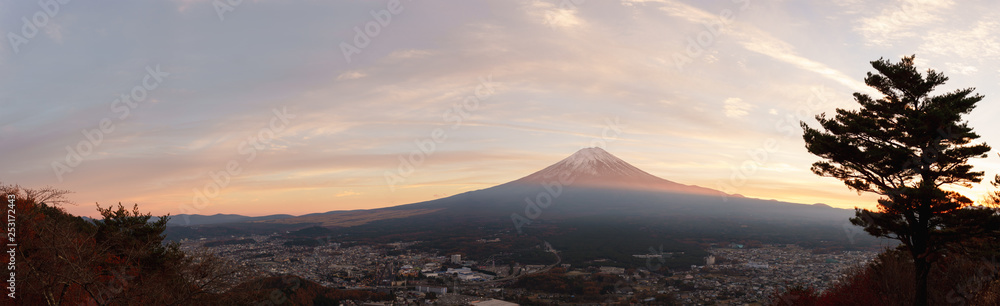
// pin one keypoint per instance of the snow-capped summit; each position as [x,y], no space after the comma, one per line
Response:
[589,162]
[595,167]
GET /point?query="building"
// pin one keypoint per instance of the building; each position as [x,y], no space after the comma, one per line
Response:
[459,270]
[456,259]
[431,266]
[762,265]
[710,260]
[494,302]
[438,290]
[468,277]
[612,270]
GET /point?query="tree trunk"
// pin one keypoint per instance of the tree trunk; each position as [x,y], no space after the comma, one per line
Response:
[922,269]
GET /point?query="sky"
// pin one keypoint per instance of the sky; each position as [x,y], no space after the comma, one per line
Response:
[260,107]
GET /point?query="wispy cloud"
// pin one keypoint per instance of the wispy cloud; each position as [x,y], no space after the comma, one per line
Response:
[555,14]
[756,40]
[900,20]
[736,108]
[961,68]
[350,75]
[346,194]
[560,71]
[979,41]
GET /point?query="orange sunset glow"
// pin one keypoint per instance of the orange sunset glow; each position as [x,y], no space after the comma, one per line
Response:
[281,108]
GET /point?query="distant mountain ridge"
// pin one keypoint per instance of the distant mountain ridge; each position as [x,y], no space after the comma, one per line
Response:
[195,219]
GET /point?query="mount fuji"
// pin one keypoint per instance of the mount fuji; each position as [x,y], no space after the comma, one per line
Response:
[582,184]
[590,206]
[596,168]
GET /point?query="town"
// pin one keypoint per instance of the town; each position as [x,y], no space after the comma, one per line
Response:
[733,274]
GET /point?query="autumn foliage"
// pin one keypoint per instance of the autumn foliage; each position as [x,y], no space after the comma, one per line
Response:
[961,279]
[122,259]
[118,260]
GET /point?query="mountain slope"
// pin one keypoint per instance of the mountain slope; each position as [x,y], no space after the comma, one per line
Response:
[595,167]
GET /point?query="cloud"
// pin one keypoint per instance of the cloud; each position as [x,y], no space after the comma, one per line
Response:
[409,54]
[765,44]
[54,31]
[562,16]
[347,193]
[901,20]
[736,108]
[978,42]
[184,5]
[350,75]
[560,67]
[684,11]
[757,40]
[961,68]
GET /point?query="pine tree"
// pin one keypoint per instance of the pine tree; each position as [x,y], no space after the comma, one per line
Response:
[905,146]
